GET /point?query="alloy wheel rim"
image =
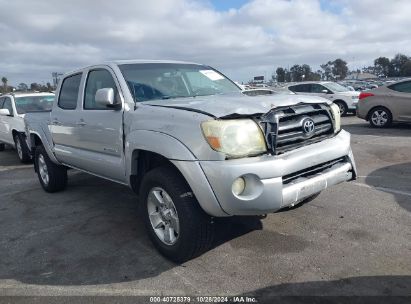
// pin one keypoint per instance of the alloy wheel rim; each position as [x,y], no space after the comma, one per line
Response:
[163,216]
[342,108]
[379,117]
[44,174]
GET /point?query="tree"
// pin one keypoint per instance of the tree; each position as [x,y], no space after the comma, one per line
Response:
[369,69]
[306,72]
[336,69]
[22,87]
[35,87]
[296,73]
[339,69]
[397,65]
[4,80]
[327,68]
[406,68]
[382,66]
[280,72]
[287,76]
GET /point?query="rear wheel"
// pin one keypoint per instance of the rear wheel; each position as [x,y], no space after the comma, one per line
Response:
[176,224]
[21,148]
[343,107]
[380,117]
[52,177]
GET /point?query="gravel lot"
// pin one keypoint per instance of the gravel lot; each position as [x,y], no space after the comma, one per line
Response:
[354,239]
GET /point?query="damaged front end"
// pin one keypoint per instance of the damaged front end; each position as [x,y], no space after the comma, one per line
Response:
[291,127]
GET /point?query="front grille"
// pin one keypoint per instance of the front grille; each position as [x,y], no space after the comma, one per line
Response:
[309,172]
[284,127]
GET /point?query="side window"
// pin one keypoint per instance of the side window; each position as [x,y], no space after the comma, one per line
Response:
[7,105]
[69,92]
[404,87]
[303,88]
[296,88]
[317,88]
[98,79]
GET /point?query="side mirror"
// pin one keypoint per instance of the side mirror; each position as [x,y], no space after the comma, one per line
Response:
[4,112]
[325,91]
[105,97]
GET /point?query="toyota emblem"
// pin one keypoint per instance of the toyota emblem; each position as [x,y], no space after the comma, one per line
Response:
[308,126]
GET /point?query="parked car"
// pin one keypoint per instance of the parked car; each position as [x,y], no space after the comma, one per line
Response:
[13,107]
[192,146]
[341,96]
[386,104]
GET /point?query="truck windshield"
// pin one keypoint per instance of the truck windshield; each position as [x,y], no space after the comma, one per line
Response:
[26,104]
[149,81]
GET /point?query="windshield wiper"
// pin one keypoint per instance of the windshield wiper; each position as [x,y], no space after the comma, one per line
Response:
[172,97]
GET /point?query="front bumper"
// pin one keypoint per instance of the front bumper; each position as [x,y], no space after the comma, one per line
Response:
[267,190]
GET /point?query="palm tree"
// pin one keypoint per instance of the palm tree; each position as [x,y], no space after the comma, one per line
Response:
[4,81]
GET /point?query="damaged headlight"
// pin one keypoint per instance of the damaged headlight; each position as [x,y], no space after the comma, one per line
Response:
[335,110]
[235,138]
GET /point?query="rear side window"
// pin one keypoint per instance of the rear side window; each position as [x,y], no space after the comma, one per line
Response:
[96,80]
[7,105]
[317,88]
[69,92]
[300,88]
[402,87]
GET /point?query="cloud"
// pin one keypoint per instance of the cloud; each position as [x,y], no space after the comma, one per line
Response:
[39,37]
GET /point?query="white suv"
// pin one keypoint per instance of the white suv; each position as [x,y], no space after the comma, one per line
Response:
[13,107]
[345,99]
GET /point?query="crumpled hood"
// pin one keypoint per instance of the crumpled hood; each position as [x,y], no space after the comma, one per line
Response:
[235,104]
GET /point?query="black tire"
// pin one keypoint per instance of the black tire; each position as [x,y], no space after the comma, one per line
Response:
[57,175]
[196,230]
[343,107]
[23,151]
[387,116]
[2,147]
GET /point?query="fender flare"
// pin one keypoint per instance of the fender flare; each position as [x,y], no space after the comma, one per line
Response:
[181,157]
[157,142]
[44,141]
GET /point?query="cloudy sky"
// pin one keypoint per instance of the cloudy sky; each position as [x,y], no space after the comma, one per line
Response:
[241,38]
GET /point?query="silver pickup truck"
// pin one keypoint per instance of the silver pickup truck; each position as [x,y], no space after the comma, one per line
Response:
[190,144]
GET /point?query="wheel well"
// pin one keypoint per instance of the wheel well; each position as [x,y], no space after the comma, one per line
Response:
[143,161]
[340,101]
[376,107]
[35,140]
[14,133]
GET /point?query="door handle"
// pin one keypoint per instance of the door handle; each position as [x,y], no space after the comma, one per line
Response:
[81,123]
[56,122]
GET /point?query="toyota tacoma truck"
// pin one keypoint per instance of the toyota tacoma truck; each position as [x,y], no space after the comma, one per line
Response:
[190,144]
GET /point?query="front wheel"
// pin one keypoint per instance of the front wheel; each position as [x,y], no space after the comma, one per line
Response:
[2,147]
[380,117]
[176,224]
[52,177]
[22,149]
[343,107]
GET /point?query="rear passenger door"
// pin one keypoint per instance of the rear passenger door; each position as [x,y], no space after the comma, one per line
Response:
[399,101]
[64,117]
[100,128]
